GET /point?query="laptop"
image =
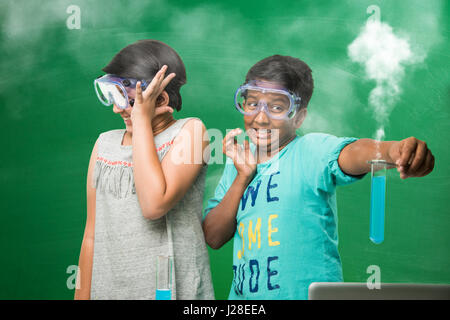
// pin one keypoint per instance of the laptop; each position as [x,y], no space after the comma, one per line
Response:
[387,291]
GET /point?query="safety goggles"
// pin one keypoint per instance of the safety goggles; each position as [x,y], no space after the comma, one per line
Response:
[112,89]
[275,101]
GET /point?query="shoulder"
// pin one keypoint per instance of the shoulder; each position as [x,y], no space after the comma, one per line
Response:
[316,137]
[110,133]
[191,128]
[317,141]
[191,124]
[189,141]
[111,136]
[323,146]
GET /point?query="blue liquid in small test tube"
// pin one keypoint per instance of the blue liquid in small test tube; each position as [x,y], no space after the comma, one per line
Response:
[163,294]
[164,278]
[377,201]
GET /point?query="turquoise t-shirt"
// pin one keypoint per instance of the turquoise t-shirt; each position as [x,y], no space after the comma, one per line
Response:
[286,235]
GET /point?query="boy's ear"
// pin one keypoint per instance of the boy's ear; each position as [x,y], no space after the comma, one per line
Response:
[300,117]
[162,100]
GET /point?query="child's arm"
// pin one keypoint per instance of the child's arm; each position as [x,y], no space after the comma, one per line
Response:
[412,156]
[87,246]
[219,225]
[159,186]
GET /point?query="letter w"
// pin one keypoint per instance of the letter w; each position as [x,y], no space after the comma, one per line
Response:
[254,192]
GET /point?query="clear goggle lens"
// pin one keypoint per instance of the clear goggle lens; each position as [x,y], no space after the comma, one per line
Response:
[277,104]
[115,90]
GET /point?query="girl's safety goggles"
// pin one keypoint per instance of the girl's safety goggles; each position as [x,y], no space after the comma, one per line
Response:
[112,89]
[277,102]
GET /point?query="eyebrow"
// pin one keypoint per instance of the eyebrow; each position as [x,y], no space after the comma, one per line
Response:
[250,96]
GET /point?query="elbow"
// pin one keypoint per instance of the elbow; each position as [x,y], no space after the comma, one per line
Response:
[151,209]
[153,213]
[214,245]
[212,241]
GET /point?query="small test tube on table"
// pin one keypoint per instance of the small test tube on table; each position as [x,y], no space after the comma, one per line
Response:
[378,199]
[164,277]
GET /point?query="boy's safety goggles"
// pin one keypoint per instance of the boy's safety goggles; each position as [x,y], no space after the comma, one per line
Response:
[112,89]
[277,102]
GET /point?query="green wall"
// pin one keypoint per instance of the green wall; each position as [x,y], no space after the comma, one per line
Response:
[51,119]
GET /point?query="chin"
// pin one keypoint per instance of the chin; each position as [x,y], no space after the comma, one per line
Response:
[261,143]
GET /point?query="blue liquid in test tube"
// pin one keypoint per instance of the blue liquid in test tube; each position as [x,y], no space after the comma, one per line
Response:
[163,294]
[377,204]
[164,277]
[377,201]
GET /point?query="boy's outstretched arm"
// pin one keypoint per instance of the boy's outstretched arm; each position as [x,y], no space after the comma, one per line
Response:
[411,156]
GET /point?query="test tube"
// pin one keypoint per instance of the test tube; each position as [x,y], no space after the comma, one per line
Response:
[164,277]
[378,199]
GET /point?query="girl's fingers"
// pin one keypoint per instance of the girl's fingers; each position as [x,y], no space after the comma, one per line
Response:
[166,81]
[154,88]
[138,92]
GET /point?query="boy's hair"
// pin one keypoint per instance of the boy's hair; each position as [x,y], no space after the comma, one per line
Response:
[143,59]
[292,73]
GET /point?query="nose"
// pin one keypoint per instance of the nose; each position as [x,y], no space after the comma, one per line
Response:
[262,117]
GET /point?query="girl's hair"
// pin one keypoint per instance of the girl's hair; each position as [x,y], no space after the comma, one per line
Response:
[143,59]
[292,73]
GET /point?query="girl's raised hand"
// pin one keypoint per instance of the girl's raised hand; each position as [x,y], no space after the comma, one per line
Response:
[145,101]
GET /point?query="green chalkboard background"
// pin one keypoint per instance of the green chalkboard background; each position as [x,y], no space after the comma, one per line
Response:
[50,119]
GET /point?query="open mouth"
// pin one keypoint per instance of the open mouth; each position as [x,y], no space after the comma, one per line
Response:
[261,133]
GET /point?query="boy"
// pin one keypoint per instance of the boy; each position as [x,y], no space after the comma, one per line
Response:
[279,202]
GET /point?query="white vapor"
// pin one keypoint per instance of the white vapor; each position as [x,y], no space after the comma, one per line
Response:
[384,56]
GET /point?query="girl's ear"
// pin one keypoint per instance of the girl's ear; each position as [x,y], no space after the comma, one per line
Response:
[162,100]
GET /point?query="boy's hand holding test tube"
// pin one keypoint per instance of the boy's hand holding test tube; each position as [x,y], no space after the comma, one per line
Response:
[410,156]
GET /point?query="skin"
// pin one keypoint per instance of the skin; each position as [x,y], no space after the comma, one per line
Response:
[411,156]
[159,185]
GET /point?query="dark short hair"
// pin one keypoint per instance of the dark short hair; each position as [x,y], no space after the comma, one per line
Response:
[143,59]
[292,73]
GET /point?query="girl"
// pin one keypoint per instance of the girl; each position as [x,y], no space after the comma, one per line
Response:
[144,189]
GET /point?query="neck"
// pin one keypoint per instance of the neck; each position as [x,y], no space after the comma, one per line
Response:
[162,122]
[159,124]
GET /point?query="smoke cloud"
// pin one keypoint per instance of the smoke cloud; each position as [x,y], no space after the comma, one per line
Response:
[384,56]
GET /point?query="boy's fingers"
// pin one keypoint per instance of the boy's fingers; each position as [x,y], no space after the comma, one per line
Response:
[407,148]
[229,141]
[248,153]
[419,158]
[233,133]
[246,145]
[427,165]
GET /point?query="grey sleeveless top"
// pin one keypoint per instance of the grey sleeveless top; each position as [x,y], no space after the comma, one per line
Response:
[126,244]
